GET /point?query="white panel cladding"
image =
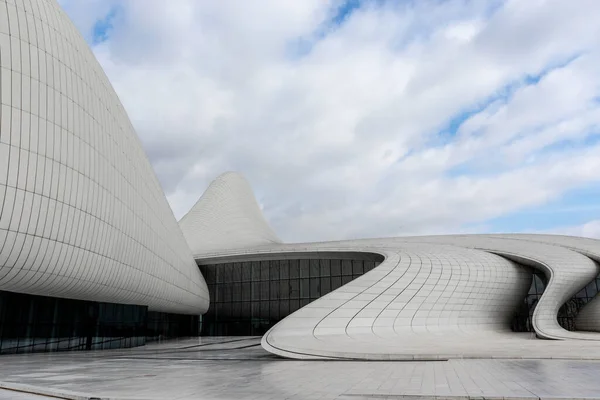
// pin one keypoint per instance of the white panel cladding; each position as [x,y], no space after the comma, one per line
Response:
[82,213]
[567,271]
[227,216]
[421,293]
[377,317]
[431,292]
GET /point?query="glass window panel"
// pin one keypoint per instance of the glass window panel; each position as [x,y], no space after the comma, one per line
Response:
[357,268]
[336,282]
[274,293]
[212,290]
[227,293]
[236,291]
[346,267]
[225,311]
[264,270]
[591,290]
[211,271]
[369,265]
[304,302]
[255,309]
[246,271]
[346,279]
[246,310]
[256,290]
[294,305]
[237,272]
[284,308]
[236,310]
[325,285]
[284,269]
[274,270]
[264,309]
[208,271]
[314,268]
[304,268]
[284,289]
[294,271]
[219,293]
[255,270]
[294,289]
[325,267]
[264,290]
[246,291]
[315,291]
[228,269]
[219,273]
[538,284]
[336,267]
[275,310]
[304,288]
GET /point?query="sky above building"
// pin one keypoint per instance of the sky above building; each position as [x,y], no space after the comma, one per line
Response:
[366,118]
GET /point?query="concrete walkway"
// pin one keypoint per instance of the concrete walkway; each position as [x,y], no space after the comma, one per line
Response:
[238,368]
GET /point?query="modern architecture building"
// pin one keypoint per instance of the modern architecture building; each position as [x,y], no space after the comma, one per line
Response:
[92,257]
[89,247]
[391,298]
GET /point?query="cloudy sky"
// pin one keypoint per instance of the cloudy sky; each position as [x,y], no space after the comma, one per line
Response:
[366,118]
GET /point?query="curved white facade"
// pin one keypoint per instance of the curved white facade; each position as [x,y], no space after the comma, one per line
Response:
[227,216]
[432,296]
[82,214]
[441,296]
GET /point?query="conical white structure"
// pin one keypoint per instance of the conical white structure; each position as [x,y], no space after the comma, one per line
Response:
[227,216]
[82,214]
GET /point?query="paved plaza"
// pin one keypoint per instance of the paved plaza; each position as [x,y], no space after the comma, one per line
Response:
[238,368]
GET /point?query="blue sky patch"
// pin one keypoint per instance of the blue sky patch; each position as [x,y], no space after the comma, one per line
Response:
[102,28]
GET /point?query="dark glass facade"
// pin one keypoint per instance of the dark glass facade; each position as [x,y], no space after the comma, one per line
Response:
[566,314]
[249,297]
[164,326]
[37,323]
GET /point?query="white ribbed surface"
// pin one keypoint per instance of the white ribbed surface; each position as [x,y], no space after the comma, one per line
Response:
[227,216]
[450,291]
[82,213]
[440,295]
[568,272]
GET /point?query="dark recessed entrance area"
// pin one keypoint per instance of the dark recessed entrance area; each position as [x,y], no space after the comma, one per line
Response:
[250,296]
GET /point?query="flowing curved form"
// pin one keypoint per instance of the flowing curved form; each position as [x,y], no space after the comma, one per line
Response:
[226,217]
[431,297]
[567,272]
[408,300]
[82,214]
[421,293]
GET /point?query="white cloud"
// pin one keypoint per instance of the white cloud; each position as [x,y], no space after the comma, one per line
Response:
[345,131]
[590,229]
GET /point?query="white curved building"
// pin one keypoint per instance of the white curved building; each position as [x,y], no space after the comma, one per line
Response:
[428,297]
[82,214]
[92,257]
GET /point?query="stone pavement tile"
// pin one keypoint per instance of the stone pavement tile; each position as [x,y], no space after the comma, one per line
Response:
[224,371]
[13,395]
